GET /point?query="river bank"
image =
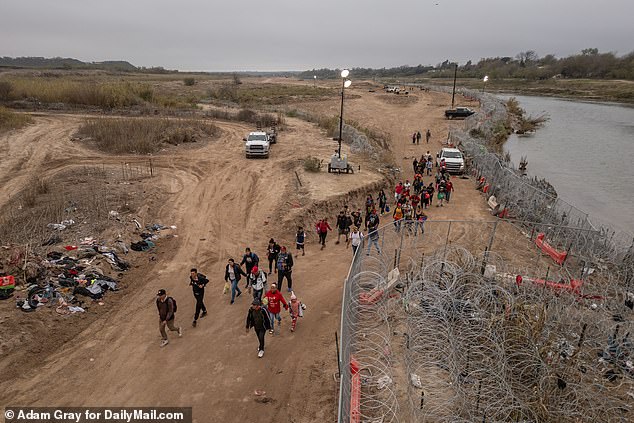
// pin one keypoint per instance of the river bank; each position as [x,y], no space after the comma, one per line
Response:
[585,150]
[617,91]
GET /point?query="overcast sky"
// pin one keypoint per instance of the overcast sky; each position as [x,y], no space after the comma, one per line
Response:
[214,35]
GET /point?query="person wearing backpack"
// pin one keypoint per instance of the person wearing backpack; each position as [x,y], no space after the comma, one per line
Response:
[259,282]
[198,281]
[167,312]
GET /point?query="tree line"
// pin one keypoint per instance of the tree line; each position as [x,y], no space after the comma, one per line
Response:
[589,63]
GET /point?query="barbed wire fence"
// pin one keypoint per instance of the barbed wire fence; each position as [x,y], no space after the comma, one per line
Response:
[523,319]
[457,336]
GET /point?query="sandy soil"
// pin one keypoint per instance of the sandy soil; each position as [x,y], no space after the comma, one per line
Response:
[221,203]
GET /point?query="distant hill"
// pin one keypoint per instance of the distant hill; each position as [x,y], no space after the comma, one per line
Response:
[64,63]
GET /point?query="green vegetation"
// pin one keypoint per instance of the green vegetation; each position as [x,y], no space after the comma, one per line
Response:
[189,82]
[589,63]
[12,120]
[144,135]
[262,94]
[64,63]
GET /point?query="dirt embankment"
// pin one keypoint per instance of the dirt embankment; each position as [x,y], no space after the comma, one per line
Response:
[220,203]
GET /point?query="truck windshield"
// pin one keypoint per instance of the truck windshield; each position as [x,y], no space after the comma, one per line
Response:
[257,138]
[452,155]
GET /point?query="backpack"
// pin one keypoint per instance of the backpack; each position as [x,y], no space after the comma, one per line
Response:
[173,302]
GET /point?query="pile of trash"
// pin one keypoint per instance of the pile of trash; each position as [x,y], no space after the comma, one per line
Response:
[67,276]
[71,280]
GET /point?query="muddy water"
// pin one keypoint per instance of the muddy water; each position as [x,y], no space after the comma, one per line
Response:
[586,151]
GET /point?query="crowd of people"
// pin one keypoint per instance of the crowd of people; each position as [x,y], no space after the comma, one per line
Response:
[266,301]
[410,200]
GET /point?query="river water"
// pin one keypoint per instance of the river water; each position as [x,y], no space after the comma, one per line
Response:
[586,151]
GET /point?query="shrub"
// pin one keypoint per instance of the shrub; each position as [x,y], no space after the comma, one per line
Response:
[144,135]
[12,120]
[312,164]
[5,90]
[189,82]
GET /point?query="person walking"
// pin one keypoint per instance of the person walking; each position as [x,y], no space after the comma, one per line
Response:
[322,230]
[167,313]
[429,166]
[418,137]
[285,269]
[414,138]
[355,239]
[357,218]
[427,135]
[421,218]
[343,226]
[382,201]
[397,215]
[259,283]
[300,240]
[441,193]
[249,259]
[274,301]
[233,272]
[296,308]
[272,251]
[258,319]
[448,190]
[373,233]
[415,165]
[198,281]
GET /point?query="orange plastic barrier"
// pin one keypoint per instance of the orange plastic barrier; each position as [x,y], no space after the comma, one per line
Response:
[7,282]
[557,256]
[355,391]
[574,286]
[370,297]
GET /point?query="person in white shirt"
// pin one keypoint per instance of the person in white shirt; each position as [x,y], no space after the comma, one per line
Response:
[355,239]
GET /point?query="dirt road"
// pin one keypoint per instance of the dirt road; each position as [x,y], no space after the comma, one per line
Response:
[220,203]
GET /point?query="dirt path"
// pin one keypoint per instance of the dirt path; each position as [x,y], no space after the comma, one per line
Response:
[220,203]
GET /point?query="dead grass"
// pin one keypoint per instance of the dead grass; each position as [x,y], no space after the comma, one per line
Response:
[267,94]
[144,135]
[11,120]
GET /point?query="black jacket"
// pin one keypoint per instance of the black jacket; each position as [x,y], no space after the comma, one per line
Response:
[202,280]
[255,260]
[236,269]
[273,251]
[251,320]
[287,264]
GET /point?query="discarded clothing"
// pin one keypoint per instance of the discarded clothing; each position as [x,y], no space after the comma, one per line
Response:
[142,245]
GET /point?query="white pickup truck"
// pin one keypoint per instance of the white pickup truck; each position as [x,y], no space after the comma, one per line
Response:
[257,144]
[453,159]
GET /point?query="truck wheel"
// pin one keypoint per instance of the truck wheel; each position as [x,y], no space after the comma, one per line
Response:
[450,117]
[329,168]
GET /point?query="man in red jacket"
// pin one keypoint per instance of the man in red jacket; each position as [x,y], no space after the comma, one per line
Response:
[322,230]
[274,299]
